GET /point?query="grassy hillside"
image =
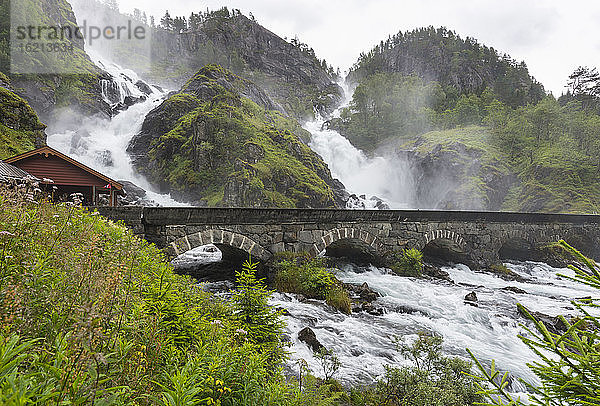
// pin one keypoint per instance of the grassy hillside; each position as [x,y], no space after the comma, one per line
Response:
[510,163]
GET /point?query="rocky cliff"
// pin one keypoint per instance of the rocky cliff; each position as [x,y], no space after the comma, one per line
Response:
[218,142]
[20,128]
[49,93]
[456,169]
[290,73]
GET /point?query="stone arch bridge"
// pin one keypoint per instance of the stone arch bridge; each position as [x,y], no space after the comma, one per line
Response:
[477,238]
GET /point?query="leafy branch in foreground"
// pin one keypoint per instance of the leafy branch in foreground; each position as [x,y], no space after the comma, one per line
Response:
[567,364]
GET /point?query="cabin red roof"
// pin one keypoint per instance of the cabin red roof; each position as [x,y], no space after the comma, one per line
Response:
[48,163]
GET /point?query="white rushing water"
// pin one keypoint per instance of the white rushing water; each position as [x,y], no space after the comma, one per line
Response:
[382,176]
[363,342]
[101,143]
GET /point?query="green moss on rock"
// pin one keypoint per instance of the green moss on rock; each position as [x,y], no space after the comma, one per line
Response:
[20,128]
[217,142]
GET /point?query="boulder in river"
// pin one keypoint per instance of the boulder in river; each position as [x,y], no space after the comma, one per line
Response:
[514,289]
[552,323]
[471,299]
[143,87]
[308,337]
[436,272]
[361,293]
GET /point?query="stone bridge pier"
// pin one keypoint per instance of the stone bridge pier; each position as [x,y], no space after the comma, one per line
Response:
[478,239]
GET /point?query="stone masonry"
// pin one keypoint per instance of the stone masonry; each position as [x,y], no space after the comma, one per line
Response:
[263,232]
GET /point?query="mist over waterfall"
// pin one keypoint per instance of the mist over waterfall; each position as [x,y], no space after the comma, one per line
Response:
[101,143]
[385,177]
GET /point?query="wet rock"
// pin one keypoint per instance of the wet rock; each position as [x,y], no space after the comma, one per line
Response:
[127,102]
[143,87]
[368,294]
[308,337]
[356,352]
[471,299]
[362,293]
[514,289]
[131,100]
[372,310]
[105,158]
[340,194]
[380,203]
[135,195]
[404,309]
[436,273]
[501,271]
[552,323]
[354,202]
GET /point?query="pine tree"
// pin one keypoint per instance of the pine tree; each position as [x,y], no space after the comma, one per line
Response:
[167,22]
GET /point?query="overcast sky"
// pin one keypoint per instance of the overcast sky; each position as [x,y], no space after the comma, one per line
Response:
[553,37]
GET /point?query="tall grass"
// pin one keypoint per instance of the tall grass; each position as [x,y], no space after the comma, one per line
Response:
[91,314]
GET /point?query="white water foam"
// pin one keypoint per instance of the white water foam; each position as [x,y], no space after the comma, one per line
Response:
[363,342]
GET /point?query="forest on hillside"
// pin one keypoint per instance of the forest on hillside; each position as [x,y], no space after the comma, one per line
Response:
[550,144]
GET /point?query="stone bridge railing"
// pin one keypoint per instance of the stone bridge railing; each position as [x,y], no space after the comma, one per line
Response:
[477,236]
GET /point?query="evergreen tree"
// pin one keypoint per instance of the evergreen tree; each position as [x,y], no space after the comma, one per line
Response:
[167,22]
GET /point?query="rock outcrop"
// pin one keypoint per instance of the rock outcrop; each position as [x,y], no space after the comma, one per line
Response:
[20,128]
[308,337]
[289,72]
[218,142]
[50,93]
[454,172]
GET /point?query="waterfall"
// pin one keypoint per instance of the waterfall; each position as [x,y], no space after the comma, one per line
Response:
[101,143]
[383,176]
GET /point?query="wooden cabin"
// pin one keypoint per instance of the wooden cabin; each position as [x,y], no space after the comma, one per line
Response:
[65,176]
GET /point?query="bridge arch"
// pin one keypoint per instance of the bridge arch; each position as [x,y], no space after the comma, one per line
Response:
[220,238]
[523,244]
[442,234]
[446,245]
[333,236]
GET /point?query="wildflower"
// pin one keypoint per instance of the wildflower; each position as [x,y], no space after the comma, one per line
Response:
[241,331]
[216,322]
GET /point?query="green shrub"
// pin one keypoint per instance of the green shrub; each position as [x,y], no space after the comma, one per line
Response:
[433,379]
[261,323]
[337,297]
[407,262]
[566,364]
[298,273]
